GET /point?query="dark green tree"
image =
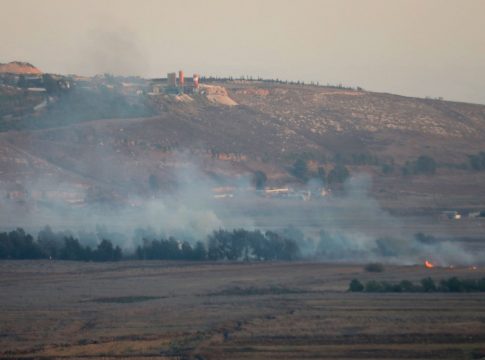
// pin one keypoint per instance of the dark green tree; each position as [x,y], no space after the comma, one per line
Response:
[356,286]
[428,284]
[322,174]
[259,179]
[300,170]
[50,84]
[425,165]
[199,253]
[338,174]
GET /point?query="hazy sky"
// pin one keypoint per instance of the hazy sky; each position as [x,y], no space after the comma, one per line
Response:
[410,47]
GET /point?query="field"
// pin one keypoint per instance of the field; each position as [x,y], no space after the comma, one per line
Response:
[70,310]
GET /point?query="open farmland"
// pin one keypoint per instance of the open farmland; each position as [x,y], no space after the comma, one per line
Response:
[137,310]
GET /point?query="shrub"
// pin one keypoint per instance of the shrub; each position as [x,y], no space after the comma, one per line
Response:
[425,165]
[452,284]
[259,179]
[374,286]
[374,267]
[356,286]
[300,170]
[481,284]
[428,285]
[338,174]
[387,169]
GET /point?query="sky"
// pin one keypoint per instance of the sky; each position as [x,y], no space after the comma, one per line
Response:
[417,48]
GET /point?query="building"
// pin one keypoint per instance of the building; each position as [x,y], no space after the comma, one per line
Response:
[172,80]
[176,85]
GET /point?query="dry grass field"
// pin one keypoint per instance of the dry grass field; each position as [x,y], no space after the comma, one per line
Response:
[176,310]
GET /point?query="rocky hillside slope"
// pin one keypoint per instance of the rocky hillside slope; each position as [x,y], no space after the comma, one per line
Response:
[252,126]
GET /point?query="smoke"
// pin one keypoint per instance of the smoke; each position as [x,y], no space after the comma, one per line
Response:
[113,51]
[353,227]
[357,229]
[127,198]
[188,211]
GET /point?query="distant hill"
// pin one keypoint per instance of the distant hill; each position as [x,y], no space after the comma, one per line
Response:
[18,67]
[253,125]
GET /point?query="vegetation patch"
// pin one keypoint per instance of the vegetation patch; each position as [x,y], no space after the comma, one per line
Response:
[374,267]
[452,285]
[125,299]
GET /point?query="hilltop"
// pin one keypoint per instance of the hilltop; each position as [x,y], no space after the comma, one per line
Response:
[235,127]
[19,67]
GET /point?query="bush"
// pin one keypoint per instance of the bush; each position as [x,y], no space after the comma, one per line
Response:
[374,286]
[477,162]
[300,170]
[356,286]
[259,179]
[407,286]
[387,169]
[452,284]
[374,267]
[338,174]
[428,285]
[425,165]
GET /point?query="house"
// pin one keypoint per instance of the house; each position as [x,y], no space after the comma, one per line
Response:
[451,215]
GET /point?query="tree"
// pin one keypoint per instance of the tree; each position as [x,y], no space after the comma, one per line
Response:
[428,284]
[322,175]
[199,253]
[338,174]
[387,169]
[18,244]
[259,179]
[374,267]
[373,286]
[477,162]
[187,253]
[22,82]
[453,284]
[50,84]
[356,286]
[407,286]
[106,252]
[73,250]
[300,170]
[425,165]
[50,242]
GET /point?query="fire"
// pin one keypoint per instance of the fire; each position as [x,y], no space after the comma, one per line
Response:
[428,264]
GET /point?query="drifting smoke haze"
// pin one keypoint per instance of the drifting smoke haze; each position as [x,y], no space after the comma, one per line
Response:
[112,51]
[128,186]
[189,212]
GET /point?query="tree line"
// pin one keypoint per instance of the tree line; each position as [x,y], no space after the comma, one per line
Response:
[235,245]
[221,245]
[452,284]
[18,244]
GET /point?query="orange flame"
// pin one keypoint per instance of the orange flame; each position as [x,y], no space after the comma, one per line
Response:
[428,264]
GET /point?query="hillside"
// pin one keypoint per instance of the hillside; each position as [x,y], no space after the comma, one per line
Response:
[19,67]
[247,126]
